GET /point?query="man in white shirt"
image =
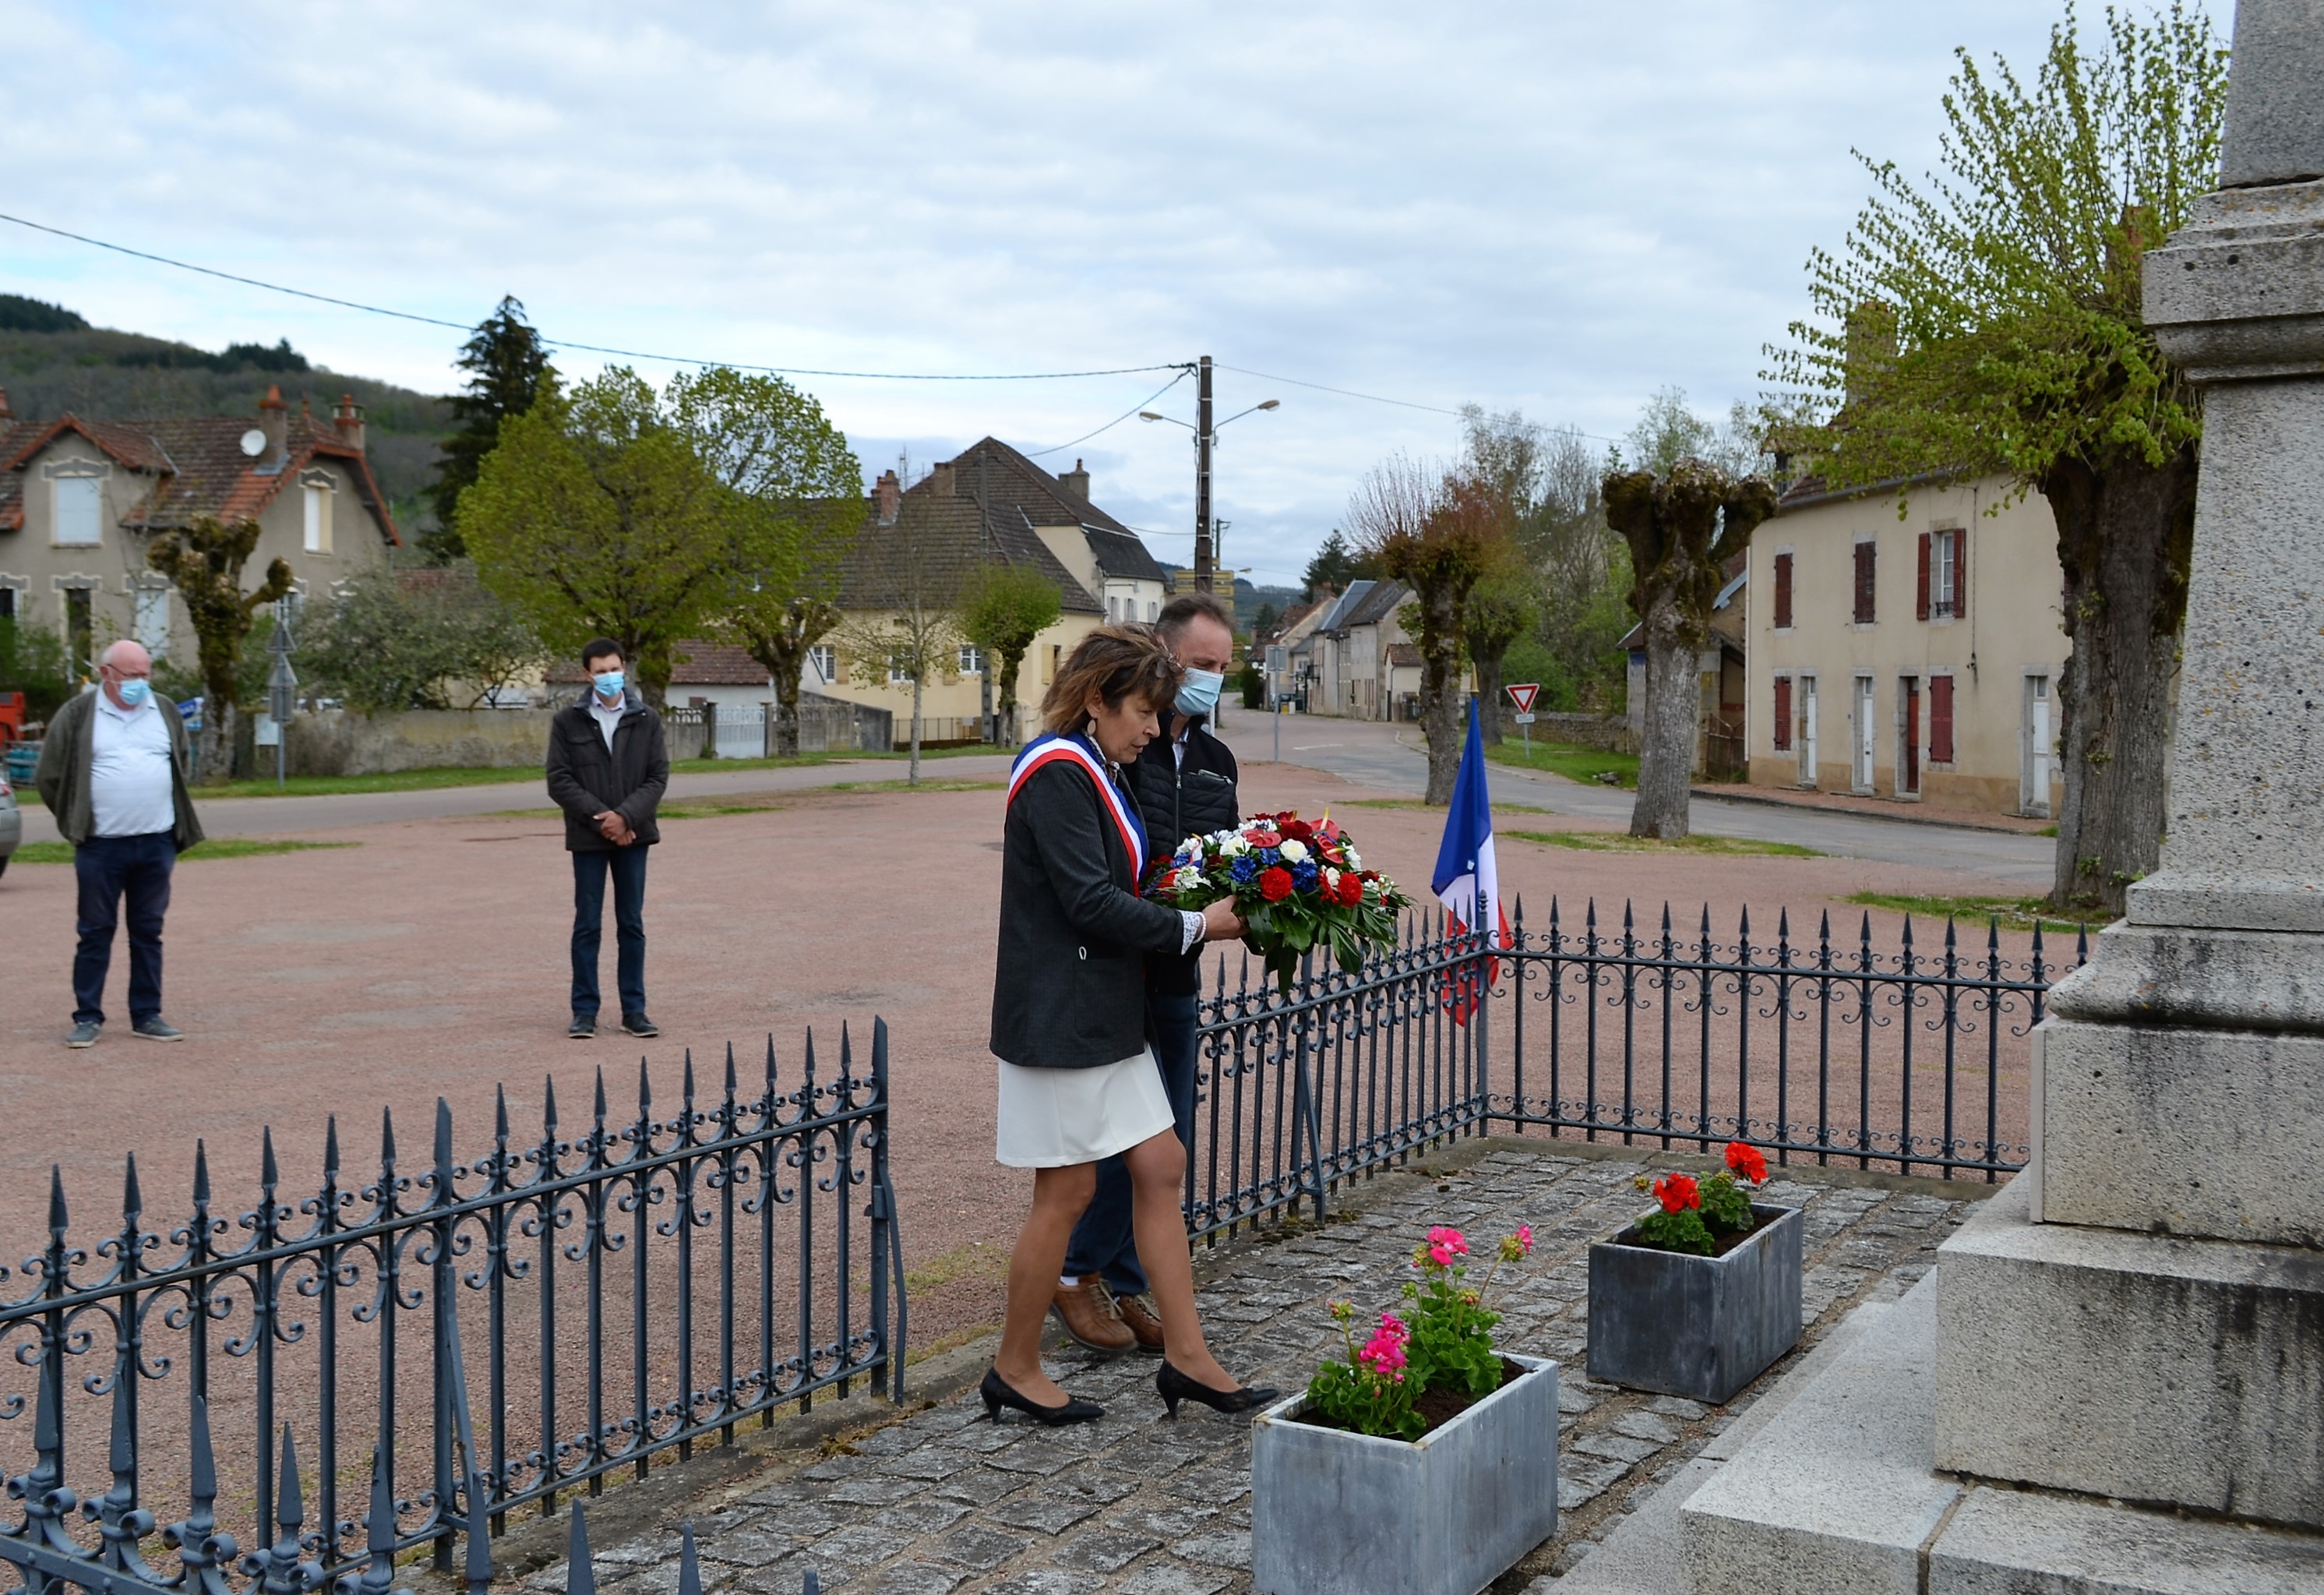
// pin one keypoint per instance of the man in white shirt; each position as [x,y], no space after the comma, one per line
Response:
[113,771]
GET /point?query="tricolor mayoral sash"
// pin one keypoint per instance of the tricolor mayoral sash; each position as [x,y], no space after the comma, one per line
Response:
[1050,748]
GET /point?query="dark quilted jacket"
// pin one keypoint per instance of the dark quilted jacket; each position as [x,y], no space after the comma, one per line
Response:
[1178,801]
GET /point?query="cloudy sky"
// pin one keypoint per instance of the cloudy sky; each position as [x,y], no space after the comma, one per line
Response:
[1551,206]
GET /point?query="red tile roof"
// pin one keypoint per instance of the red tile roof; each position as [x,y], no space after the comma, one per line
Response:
[197,465]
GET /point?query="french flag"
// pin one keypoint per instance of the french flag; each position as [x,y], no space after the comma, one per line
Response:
[1467,882]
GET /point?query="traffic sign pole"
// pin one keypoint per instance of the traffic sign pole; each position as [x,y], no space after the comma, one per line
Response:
[1522,693]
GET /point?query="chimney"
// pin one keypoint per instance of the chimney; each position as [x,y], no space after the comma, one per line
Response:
[940,479]
[349,420]
[1075,481]
[274,421]
[887,493]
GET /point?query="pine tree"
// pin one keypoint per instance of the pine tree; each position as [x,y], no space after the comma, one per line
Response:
[505,361]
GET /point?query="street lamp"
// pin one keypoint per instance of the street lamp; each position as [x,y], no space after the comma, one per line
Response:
[1205,432]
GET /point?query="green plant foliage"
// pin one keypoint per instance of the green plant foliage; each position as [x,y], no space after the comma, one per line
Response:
[1726,1205]
[506,364]
[1990,319]
[431,639]
[1335,565]
[204,562]
[1001,610]
[1683,1231]
[19,314]
[596,516]
[32,661]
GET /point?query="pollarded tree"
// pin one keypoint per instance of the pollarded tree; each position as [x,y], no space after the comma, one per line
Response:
[204,562]
[1988,321]
[797,504]
[1682,529]
[1501,608]
[1002,609]
[1438,535]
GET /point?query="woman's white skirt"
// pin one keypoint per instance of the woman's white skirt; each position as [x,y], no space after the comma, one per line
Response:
[1054,1118]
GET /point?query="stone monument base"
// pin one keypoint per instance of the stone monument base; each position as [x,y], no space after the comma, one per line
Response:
[1840,1495]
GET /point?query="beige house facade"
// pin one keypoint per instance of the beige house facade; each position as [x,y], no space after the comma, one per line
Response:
[81,499]
[990,504]
[1915,659]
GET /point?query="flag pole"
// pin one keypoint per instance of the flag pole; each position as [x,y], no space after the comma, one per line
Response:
[1481,1029]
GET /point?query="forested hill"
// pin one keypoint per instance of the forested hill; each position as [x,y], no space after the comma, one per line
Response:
[52,361]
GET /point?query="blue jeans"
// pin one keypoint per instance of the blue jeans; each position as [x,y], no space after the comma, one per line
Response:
[628,867]
[108,869]
[1103,1243]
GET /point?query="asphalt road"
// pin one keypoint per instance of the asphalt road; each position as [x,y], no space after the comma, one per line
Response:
[1371,753]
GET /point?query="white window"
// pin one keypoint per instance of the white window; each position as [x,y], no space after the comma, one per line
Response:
[1153,610]
[1113,607]
[152,622]
[80,510]
[319,518]
[972,662]
[900,664]
[824,661]
[1944,573]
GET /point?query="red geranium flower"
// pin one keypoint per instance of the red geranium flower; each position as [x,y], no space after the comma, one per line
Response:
[1747,1161]
[1677,1192]
[1275,884]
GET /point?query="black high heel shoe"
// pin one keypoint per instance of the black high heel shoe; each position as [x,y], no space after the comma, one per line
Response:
[1174,1387]
[999,1393]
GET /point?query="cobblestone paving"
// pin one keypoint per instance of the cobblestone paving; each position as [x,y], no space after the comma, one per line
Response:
[943,1502]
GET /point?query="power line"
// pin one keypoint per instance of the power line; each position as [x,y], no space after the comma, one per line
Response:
[1117,420]
[1343,393]
[900,376]
[230,277]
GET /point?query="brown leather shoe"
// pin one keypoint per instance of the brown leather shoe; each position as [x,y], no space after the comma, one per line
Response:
[1142,1324]
[1087,1314]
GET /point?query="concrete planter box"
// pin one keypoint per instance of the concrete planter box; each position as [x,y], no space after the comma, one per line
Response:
[1696,1326]
[1443,1515]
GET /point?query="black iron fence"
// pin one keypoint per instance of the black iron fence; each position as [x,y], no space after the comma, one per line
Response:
[1878,1052]
[657,1279]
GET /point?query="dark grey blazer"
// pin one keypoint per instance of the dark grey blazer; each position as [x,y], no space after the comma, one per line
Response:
[1069,984]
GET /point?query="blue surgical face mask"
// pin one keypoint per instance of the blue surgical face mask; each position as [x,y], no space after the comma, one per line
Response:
[609,684]
[135,691]
[1199,693]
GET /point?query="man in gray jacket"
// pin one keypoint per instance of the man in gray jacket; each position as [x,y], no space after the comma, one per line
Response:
[113,772]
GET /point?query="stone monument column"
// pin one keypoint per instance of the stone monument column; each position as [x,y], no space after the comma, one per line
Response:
[2127,1342]
[2151,1325]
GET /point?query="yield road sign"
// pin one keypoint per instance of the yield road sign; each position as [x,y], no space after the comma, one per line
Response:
[1522,693]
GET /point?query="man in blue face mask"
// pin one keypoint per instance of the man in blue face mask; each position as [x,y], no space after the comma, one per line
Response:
[607,768]
[1185,783]
[113,770]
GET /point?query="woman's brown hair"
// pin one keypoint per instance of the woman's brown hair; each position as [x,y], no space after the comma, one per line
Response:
[1113,662]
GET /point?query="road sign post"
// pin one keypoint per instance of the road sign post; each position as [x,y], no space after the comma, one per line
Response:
[1522,693]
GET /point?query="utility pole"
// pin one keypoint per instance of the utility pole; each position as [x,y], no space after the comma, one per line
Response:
[1205,559]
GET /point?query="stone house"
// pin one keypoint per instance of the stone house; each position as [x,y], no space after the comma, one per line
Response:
[1915,659]
[80,500]
[989,504]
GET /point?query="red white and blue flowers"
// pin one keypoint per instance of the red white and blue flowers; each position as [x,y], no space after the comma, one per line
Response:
[1297,886]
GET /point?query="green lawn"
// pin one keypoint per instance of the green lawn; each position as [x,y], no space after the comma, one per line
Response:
[2014,913]
[1573,762]
[414,780]
[217,847]
[1622,842]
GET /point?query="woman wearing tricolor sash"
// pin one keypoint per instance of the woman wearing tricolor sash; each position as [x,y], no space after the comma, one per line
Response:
[1078,1082]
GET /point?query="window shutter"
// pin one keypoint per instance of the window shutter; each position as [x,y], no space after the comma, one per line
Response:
[1920,610]
[1864,583]
[1783,592]
[1783,711]
[1960,573]
[1941,720]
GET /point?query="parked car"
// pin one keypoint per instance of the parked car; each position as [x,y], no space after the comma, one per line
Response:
[12,824]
